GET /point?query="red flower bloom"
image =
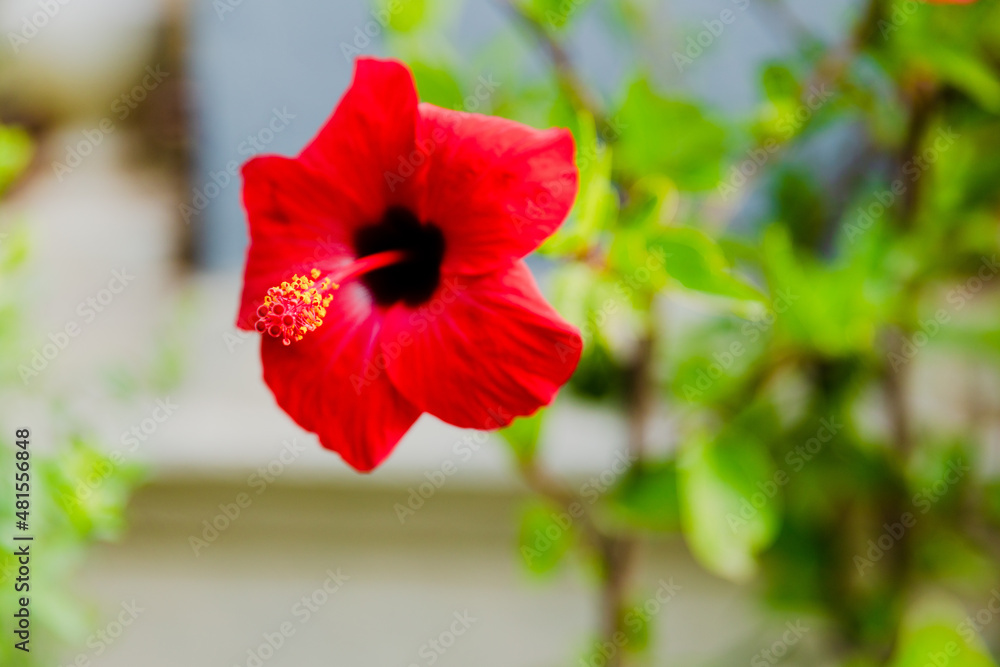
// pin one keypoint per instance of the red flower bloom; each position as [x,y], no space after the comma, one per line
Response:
[385,271]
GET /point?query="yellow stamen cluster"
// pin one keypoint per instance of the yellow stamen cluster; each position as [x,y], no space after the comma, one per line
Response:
[295,307]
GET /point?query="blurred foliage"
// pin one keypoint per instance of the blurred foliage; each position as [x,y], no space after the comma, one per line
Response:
[15,153]
[78,493]
[788,286]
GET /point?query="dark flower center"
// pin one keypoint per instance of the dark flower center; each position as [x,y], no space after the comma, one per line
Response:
[413,280]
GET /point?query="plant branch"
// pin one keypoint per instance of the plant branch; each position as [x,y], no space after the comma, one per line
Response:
[581,96]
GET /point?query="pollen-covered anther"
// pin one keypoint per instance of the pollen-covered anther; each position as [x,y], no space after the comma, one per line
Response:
[295,307]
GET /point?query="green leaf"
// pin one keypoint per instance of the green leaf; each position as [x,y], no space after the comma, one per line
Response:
[647,496]
[950,556]
[404,15]
[671,137]
[697,263]
[576,290]
[554,14]
[969,74]
[726,515]
[14,248]
[936,632]
[597,202]
[90,488]
[596,206]
[599,375]
[636,623]
[800,205]
[833,308]
[545,537]
[100,486]
[436,85]
[779,83]
[523,434]
[15,154]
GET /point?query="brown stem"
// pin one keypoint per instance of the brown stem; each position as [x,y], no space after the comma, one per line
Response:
[893,385]
[617,556]
[579,94]
[923,101]
[640,393]
[614,553]
[550,488]
[922,107]
[618,553]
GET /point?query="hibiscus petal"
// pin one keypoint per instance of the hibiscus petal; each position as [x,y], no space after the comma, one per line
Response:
[330,384]
[482,351]
[296,223]
[366,143]
[496,188]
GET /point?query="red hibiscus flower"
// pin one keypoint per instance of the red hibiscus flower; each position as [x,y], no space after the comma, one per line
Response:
[385,268]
